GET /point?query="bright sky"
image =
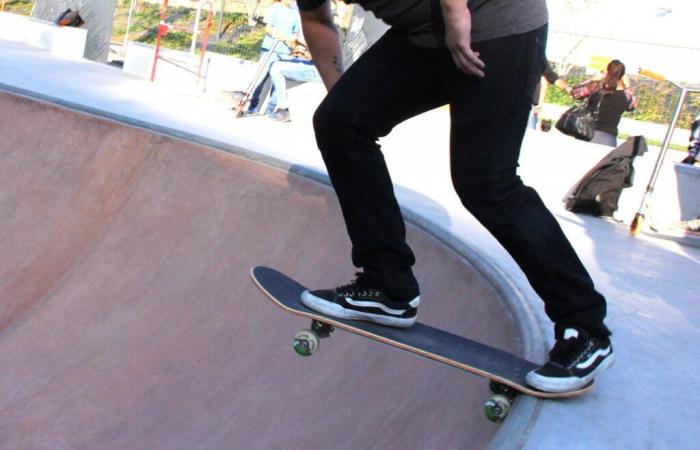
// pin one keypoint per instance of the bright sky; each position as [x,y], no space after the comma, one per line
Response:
[660,35]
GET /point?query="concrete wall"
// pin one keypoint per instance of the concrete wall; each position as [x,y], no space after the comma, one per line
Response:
[62,42]
[364,30]
[688,179]
[97,15]
[178,70]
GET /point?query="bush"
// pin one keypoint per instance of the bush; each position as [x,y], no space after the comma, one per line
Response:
[22,7]
[237,38]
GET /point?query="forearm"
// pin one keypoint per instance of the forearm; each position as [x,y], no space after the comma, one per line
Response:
[323,41]
[453,9]
[458,30]
[563,85]
[276,35]
[456,16]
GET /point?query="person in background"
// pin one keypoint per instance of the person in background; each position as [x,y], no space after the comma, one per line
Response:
[608,99]
[693,157]
[281,25]
[300,68]
[549,76]
[694,144]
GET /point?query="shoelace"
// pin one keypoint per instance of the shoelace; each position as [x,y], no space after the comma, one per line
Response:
[356,289]
[563,351]
[567,351]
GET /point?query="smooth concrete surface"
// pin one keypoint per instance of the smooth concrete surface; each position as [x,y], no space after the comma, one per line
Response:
[128,319]
[645,401]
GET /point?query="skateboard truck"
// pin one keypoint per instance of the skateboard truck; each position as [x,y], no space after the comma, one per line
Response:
[498,405]
[306,342]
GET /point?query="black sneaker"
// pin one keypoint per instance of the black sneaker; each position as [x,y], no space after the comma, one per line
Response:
[359,301]
[574,361]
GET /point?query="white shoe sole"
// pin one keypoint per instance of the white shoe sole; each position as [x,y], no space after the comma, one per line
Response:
[567,384]
[335,310]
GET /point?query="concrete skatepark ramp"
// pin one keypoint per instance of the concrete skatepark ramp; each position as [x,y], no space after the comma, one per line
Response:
[128,319]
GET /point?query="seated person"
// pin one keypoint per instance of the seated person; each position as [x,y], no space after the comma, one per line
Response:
[300,68]
[694,145]
[281,24]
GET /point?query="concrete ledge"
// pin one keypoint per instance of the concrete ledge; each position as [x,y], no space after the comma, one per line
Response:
[62,42]
[178,68]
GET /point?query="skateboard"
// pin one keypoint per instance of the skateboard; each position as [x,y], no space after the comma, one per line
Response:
[505,372]
[240,107]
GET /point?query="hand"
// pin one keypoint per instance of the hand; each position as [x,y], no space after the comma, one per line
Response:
[458,29]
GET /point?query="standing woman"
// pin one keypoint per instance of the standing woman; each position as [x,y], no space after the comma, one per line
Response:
[611,96]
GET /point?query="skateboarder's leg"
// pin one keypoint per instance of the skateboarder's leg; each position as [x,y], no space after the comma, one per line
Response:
[391,82]
[489,118]
[386,86]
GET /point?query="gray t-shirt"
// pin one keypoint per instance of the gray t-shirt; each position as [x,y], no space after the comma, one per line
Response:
[421,20]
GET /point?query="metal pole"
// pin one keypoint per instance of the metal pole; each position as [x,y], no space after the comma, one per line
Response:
[667,140]
[128,25]
[640,216]
[195,29]
[205,38]
[162,27]
[220,25]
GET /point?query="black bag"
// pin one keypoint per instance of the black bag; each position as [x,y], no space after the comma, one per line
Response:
[69,18]
[599,190]
[598,196]
[578,122]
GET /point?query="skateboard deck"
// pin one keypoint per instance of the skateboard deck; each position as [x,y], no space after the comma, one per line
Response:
[496,365]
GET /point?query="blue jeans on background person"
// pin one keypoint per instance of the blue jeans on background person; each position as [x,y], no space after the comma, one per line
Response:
[296,70]
[532,120]
[396,80]
[263,83]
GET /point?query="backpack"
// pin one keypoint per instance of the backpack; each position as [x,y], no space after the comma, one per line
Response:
[599,190]
[599,194]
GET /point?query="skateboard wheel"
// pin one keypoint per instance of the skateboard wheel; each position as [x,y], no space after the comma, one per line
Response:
[306,342]
[322,330]
[497,408]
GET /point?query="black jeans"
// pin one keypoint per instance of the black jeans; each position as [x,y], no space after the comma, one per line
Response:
[395,80]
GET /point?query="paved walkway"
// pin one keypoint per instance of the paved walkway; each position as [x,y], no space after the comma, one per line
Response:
[646,401]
